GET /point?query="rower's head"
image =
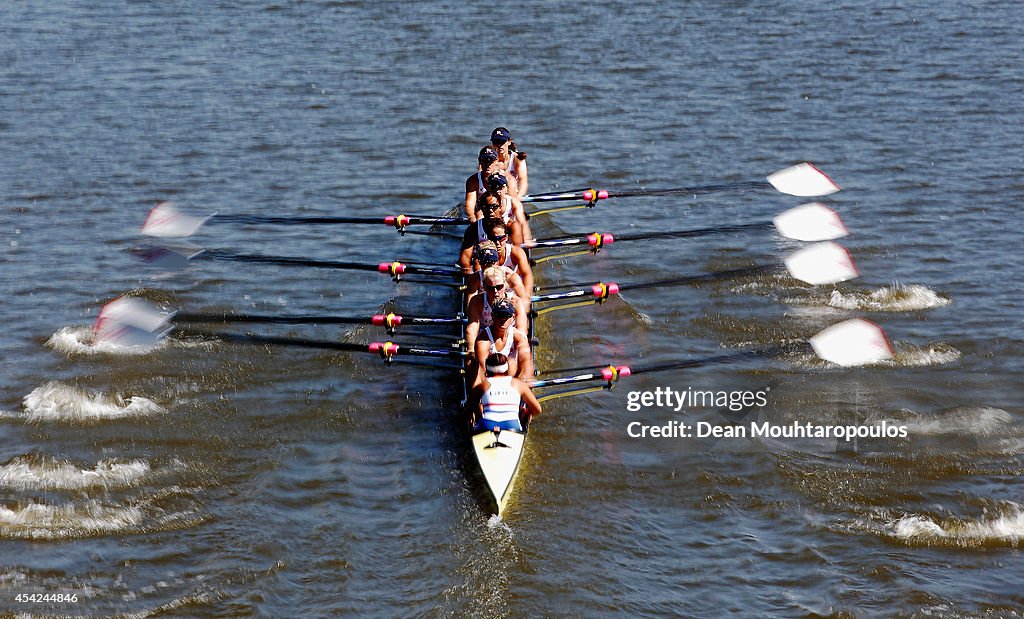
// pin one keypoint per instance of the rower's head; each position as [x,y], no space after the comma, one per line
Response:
[500,137]
[503,312]
[488,157]
[497,183]
[495,283]
[490,204]
[496,364]
[486,254]
[496,232]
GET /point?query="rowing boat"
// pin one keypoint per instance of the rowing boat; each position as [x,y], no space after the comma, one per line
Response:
[498,455]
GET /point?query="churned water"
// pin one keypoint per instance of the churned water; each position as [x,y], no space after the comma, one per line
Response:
[200,478]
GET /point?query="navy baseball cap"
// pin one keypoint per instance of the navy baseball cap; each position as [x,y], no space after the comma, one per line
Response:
[496,182]
[503,309]
[500,135]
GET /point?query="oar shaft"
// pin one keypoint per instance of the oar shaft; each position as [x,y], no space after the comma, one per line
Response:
[216,254]
[601,291]
[384,349]
[610,376]
[316,319]
[682,234]
[695,190]
[707,277]
[593,194]
[586,239]
[264,318]
[406,220]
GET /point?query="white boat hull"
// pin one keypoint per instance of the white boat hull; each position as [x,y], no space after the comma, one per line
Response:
[499,459]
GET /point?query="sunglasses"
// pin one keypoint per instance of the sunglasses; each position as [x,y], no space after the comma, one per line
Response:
[494,287]
[498,239]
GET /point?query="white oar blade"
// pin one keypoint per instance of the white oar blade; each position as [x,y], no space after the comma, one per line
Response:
[853,342]
[135,312]
[803,180]
[131,322]
[823,263]
[810,222]
[165,220]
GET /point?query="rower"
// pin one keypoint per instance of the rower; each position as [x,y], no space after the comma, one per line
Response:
[478,230]
[511,160]
[495,404]
[480,310]
[510,255]
[485,256]
[503,337]
[476,185]
[498,184]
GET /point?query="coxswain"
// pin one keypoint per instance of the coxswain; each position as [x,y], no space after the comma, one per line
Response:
[497,403]
[503,337]
[488,164]
[480,311]
[511,160]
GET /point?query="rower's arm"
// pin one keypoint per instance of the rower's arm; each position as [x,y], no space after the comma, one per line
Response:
[525,371]
[473,402]
[522,315]
[516,283]
[469,239]
[530,400]
[466,260]
[523,174]
[524,270]
[473,320]
[471,198]
[519,212]
[515,232]
[482,349]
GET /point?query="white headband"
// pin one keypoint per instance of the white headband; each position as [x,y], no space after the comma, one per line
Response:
[498,369]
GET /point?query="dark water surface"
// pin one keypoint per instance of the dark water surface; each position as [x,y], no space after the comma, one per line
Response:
[210,479]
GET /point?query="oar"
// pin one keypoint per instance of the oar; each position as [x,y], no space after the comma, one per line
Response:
[166,220]
[851,343]
[135,322]
[172,257]
[822,263]
[803,180]
[390,321]
[808,222]
[133,317]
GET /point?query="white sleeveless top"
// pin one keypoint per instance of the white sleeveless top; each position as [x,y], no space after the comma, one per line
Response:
[511,166]
[481,186]
[509,349]
[501,400]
